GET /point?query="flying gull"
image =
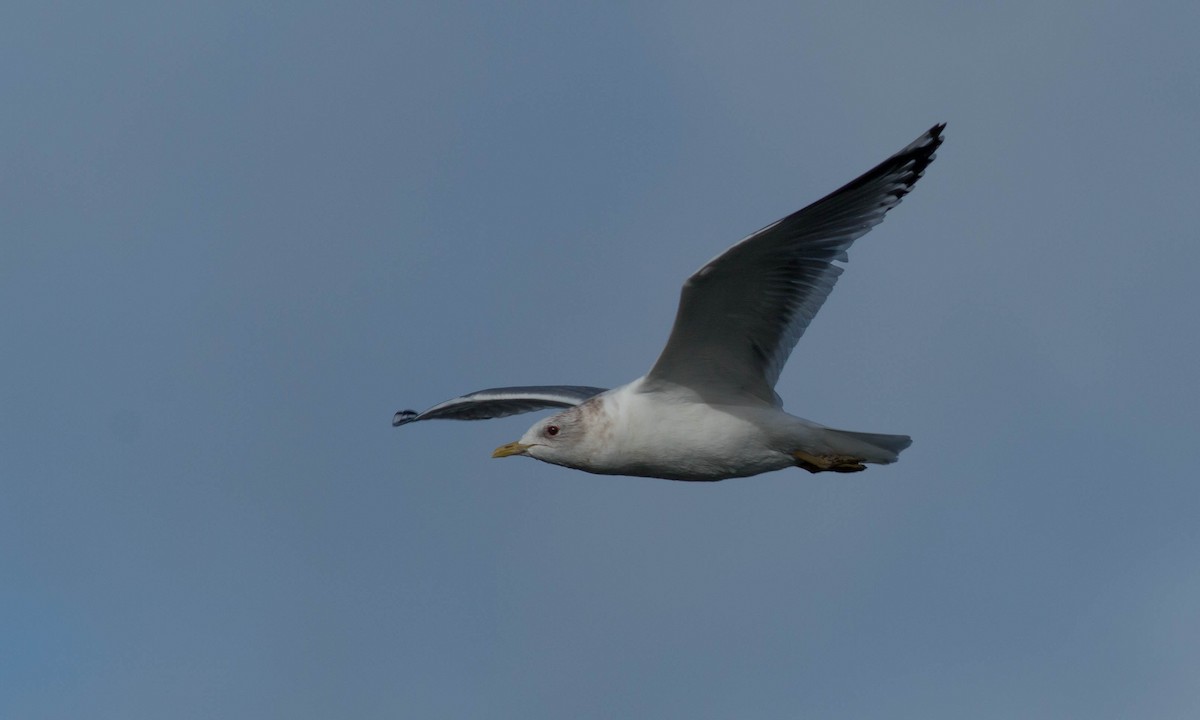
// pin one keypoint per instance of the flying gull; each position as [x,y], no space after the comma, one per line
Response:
[708,410]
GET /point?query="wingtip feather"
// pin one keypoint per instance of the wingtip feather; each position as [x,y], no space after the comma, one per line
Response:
[404,417]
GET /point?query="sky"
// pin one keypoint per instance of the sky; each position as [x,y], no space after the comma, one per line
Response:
[238,236]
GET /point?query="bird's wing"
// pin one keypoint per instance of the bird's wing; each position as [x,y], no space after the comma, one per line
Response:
[741,314]
[501,402]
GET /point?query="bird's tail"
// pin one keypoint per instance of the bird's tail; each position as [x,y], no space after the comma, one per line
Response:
[868,447]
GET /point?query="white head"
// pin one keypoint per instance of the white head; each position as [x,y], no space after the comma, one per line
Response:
[561,439]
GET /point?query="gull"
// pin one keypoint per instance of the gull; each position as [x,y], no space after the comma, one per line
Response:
[708,410]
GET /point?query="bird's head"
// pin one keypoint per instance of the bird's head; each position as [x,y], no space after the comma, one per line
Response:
[555,439]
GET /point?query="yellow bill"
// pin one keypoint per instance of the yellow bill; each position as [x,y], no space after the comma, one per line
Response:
[512,448]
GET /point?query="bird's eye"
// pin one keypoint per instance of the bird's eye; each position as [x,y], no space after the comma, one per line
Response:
[551,430]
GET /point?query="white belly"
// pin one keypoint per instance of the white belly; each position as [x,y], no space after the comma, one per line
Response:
[688,441]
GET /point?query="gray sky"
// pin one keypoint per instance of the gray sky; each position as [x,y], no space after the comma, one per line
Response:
[239,236]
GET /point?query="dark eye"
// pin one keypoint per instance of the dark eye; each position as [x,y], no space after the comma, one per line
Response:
[551,430]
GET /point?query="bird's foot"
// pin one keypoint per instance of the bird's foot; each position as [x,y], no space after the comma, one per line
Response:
[828,463]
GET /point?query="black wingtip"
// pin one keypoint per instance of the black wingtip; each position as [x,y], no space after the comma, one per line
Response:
[926,143]
[920,153]
[935,135]
[923,148]
[908,165]
[403,417]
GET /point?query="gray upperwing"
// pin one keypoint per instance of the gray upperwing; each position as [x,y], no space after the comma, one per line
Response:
[501,402]
[741,314]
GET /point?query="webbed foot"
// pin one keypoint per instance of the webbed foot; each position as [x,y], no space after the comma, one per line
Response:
[828,463]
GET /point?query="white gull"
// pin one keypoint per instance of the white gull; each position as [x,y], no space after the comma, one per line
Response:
[708,410]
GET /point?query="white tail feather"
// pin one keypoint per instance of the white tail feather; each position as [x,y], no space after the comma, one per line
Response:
[869,447]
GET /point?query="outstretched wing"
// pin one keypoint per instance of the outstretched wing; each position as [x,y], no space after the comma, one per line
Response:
[501,402]
[741,314]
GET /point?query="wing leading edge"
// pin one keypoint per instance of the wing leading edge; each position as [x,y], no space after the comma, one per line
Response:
[501,402]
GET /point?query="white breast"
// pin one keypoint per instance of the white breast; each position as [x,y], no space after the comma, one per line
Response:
[677,436]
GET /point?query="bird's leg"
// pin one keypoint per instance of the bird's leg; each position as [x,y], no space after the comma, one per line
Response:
[828,463]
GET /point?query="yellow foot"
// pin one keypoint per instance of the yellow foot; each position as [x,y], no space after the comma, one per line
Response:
[830,463]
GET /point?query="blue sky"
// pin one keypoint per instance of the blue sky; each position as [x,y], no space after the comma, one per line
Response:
[239,236]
